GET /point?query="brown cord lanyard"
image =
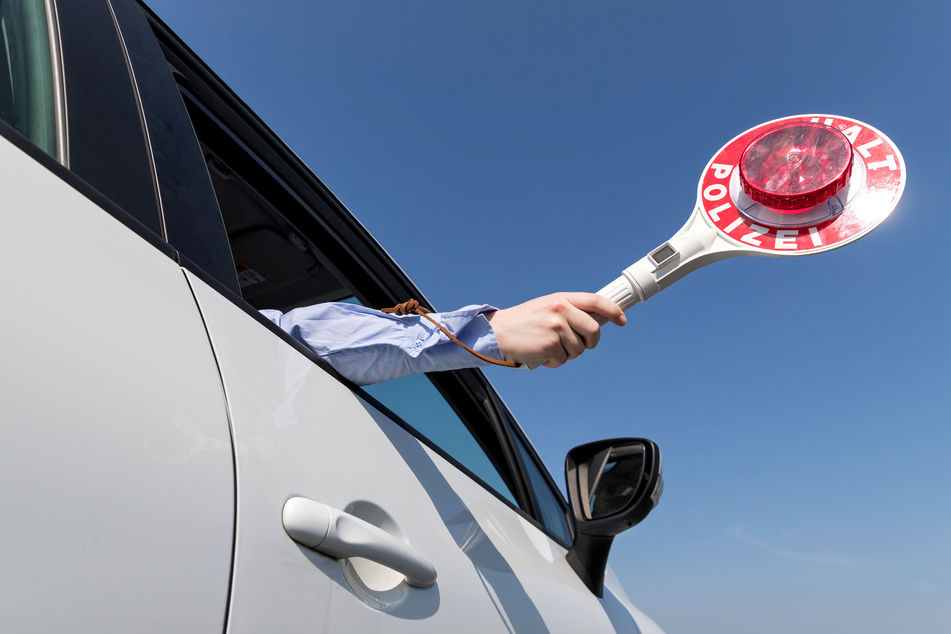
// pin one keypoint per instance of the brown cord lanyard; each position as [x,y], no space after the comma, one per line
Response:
[412,306]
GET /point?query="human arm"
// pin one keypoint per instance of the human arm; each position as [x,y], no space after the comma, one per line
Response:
[368,346]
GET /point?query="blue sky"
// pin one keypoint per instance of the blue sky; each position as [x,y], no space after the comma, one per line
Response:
[504,150]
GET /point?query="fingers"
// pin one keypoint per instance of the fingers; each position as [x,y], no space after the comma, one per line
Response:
[579,330]
[568,345]
[582,332]
[595,304]
[555,328]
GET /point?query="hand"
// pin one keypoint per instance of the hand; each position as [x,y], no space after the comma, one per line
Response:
[554,328]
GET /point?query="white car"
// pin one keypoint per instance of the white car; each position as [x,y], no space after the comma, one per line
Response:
[173,462]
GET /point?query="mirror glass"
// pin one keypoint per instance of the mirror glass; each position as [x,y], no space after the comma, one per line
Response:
[618,482]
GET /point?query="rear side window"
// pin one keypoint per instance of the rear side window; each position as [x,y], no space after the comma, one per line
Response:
[26,72]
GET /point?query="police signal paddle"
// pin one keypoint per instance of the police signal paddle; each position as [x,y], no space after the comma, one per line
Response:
[794,186]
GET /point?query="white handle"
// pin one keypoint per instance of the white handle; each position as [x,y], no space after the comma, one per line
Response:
[691,248]
[620,291]
[341,536]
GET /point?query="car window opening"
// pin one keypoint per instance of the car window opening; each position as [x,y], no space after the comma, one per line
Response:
[280,267]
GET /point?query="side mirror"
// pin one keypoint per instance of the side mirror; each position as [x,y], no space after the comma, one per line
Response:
[612,485]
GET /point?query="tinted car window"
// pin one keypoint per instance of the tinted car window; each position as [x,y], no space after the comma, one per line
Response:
[415,399]
[26,72]
[551,510]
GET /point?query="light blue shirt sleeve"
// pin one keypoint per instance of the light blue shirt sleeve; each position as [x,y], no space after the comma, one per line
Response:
[368,346]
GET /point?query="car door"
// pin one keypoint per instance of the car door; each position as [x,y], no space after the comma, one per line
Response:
[116,463]
[439,468]
[301,433]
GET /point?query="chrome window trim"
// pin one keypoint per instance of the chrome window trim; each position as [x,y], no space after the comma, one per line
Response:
[145,127]
[59,83]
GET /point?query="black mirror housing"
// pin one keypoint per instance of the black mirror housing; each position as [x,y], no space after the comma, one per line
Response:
[612,485]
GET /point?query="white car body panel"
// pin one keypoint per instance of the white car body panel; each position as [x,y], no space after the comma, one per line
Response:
[117,464]
[155,426]
[299,432]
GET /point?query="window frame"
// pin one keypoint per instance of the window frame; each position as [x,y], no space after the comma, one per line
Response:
[99,32]
[308,205]
[105,138]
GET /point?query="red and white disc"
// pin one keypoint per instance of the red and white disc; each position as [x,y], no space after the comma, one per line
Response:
[791,187]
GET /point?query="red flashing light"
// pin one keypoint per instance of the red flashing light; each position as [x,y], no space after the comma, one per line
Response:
[796,165]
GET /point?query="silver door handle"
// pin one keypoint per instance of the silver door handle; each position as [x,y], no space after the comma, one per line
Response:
[341,536]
